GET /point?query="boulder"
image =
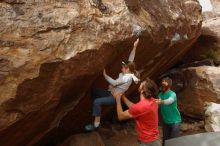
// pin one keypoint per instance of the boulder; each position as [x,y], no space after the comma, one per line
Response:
[90,139]
[192,127]
[212,117]
[208,44]
[194,87]
[53,52]
[206,62]
[109,135]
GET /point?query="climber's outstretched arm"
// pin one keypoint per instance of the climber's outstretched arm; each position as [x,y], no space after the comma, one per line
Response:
[132,54]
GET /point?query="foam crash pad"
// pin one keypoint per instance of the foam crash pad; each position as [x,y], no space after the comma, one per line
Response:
[203,139]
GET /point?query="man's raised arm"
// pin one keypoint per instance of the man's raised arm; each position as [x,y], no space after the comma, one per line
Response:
[122,115]
[127,101]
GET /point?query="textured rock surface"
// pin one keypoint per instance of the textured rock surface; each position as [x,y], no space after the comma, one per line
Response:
[212,117]
[90,139]
[215,11]
[194,87]
[196,126]
[112,135]
[208,44]
[209,41]
[52,52]
[125,134]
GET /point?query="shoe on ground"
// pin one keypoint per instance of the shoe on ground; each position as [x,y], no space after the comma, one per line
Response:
[91,127]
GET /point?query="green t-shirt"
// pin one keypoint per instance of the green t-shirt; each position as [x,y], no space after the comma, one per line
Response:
[170,113]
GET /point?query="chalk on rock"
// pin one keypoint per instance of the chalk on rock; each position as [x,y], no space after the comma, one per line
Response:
[137,30]
[175,38]
[212,117]
[186,37]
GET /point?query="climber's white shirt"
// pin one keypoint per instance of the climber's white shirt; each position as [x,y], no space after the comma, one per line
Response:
[124,80]
[122,83]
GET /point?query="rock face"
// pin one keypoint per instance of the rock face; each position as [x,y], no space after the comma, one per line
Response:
[208,44]
[53,52]
[212,117]
[196,126]
[211,8]
[91,139]
[112,135]
[194,87]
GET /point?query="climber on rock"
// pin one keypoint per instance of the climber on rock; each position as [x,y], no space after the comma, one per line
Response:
[169,110]
[145,113]
[120,85]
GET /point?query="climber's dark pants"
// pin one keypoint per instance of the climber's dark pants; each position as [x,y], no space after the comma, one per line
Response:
[170,131]
[101,97]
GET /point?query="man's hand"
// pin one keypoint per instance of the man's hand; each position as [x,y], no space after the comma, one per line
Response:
[136,43]
[117,96]
[159,101]
[122,115]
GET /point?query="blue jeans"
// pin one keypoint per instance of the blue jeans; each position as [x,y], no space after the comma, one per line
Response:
[170,131]
[101,97]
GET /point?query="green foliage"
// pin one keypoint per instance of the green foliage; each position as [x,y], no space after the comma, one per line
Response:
[212,53]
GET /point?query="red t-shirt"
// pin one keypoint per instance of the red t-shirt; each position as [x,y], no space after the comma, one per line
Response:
[145,114]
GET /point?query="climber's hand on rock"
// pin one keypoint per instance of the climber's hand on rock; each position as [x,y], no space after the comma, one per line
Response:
[136,43]
[104,72]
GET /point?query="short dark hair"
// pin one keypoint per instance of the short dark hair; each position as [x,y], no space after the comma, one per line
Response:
[150,89]
[168,80]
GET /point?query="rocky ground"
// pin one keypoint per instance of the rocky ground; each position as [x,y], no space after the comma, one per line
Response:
[124,134]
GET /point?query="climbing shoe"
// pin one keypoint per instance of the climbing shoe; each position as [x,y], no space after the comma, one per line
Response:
[91,127]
